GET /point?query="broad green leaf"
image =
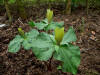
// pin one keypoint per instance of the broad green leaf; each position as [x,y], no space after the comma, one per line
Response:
[43,46]
[53,25]
[27,43]
[56,48]
[41,25]
[53,39]
[43,53]
[70,57]
[43,40]
[15,44]
[59,33]
[45,21]
[31,23]
[48,26]
[39,43]
[44,36]
[69,36]
[32,34]
[58,24]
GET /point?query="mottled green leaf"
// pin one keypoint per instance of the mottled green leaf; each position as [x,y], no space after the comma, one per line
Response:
[56,48]
[43,53]
[69,36]
[40,25]
[15,44]
[43,40]
[45,21]
[70,57]
[27,43]
[53,25]
[32,34]
[43,46]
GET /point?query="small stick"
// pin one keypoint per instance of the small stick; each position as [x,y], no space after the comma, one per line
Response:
[20,21]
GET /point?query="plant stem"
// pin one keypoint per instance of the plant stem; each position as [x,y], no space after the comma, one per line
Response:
[68,7]
[49,66]
[8,10]
[21,10]
[87,6]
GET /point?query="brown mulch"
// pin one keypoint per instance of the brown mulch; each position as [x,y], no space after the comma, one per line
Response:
[25,63]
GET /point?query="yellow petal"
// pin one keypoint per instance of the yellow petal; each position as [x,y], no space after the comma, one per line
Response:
[49,15]
[59,34]
[21,32]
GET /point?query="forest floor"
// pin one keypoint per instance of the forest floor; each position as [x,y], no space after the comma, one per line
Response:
[25,63]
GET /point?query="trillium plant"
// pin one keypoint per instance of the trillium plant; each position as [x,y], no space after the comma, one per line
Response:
[48,46]
[47,23]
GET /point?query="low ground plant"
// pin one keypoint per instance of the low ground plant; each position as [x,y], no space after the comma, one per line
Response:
[46,46]
[47,23]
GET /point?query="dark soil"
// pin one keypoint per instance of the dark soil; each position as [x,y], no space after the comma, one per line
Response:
[25,63]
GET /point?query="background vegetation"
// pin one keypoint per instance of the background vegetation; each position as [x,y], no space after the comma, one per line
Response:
[19,6]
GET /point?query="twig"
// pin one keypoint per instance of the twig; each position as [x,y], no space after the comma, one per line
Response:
[20,21]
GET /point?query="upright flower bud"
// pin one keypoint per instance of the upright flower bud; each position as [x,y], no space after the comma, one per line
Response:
[59,34]
[49,15]
[21,32]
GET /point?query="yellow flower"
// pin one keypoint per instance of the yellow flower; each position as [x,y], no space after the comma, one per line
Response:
[21,32]
[49,15]
[59,34]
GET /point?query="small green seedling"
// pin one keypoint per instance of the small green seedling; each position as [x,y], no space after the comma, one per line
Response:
[48,23]
[31,23]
